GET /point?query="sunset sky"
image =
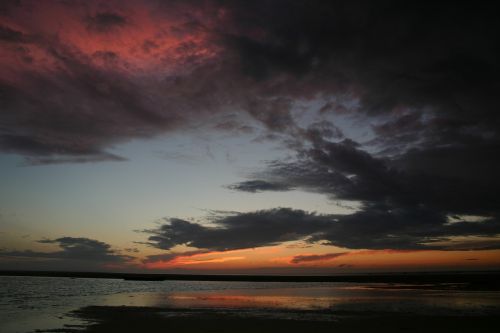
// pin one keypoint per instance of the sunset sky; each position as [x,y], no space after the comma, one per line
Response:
[263,137]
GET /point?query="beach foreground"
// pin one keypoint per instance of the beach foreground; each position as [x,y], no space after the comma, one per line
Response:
[149,319]
[62,304]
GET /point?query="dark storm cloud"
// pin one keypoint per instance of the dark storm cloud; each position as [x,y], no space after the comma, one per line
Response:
[10,35]
[87,109]
[435,129]
[377,227]
[386,227]
[105,22]
[423,77]
[79,249]
[7,5]
[239,231]
[86,92]
[401,209]
[399,55]
[426,73]
[89,100]
[346,172]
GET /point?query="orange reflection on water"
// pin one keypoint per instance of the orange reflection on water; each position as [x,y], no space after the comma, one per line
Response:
[335,297]
[276,298]
[252,301]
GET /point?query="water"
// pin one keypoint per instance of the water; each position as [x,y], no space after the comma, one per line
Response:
[31,303]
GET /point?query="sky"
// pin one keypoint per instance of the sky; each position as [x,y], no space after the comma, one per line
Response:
[263,137]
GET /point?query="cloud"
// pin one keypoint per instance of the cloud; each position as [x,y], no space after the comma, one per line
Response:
[239,231]
[375,228]
[172,256]
[254,186]
[400,208]
[193,257]
[88,74]
[98,157]
[12,36]
[298,259]
[95,90]
[74,250]
[105,22]
[316,257]
[132,250]
[421,81]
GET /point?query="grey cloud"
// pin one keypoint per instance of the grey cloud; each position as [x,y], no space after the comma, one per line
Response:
[406,228]
[74,249]
[427,75]
[167,257]
[416,98]
[344,171]
[378,53]
[7,5]
[425,78]
[239,231]
[254,186]
[84,135]
[401,208]
[375,227]
[98,157]
[75,127]
[234,126]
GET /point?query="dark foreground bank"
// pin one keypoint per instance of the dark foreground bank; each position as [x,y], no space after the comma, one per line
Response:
[149,319]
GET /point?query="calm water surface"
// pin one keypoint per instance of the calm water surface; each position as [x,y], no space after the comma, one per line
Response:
[31,303]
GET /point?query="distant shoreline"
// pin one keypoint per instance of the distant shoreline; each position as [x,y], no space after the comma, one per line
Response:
[488,280]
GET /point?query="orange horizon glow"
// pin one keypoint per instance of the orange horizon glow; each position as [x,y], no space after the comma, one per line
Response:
[282,257]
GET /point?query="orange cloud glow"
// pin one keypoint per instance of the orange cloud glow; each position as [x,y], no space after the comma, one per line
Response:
[317,257]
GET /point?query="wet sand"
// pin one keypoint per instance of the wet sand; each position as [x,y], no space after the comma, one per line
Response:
[149,319]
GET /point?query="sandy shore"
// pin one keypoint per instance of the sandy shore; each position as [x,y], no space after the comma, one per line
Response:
[145,319]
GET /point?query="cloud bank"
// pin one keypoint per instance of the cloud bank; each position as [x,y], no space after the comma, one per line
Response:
[421,79]
[375,228]
[76,253]
[109,72]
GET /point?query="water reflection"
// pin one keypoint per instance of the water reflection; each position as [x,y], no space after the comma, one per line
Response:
[31,303]
[326,298]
